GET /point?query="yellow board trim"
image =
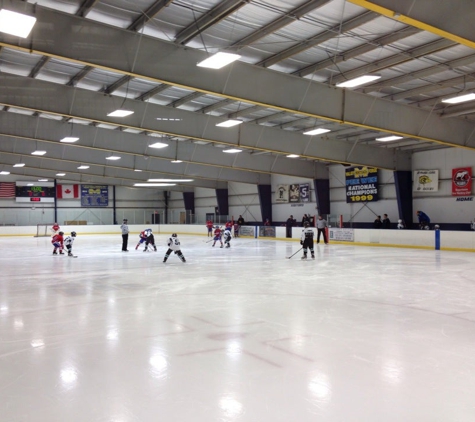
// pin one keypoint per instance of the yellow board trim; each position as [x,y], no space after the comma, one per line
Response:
[394,14]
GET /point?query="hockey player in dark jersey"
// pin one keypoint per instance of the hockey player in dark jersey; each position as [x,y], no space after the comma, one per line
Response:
[227,237]
[306,240]
[150,241]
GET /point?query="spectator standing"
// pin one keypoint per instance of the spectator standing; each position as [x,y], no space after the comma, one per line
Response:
[288,225]
[386,222]
[267,222]
[321,229]
[240,222]
[125,235]
[400,224]
[305,219]
[377,222]
[424,220]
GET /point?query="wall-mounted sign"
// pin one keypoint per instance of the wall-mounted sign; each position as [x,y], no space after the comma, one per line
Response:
[35,192]
[361,184]
[462,181]
[426,181]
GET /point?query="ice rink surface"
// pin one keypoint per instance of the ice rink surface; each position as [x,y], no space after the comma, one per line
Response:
[362,334]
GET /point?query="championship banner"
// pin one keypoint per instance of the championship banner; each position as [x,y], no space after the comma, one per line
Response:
[361,184]
[304,192]
[462,181]
[294,193]
[426,181]
[282,193]
[35,192]
[94,196]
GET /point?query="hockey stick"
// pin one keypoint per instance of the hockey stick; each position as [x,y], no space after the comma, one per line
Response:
[288,257]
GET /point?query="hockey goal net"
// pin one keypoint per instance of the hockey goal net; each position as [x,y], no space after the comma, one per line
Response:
[44,230]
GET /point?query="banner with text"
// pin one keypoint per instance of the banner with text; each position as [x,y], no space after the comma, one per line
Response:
[305,192]
[282,193]
[426,181]
[462,181]
[361,184]
[94,195]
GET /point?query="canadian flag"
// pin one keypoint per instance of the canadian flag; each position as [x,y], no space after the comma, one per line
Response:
[67,191]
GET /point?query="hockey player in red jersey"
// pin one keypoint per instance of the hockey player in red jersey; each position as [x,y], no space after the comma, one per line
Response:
[58,243]
[217,236]
[55,229]
[209,225]
[142,237]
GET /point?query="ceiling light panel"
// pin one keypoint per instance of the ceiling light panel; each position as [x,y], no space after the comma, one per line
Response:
[16,24]
[219,60]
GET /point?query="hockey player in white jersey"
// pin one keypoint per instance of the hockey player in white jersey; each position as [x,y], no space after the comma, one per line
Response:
[306,240]
[227,237]
[68,242]
[174,246]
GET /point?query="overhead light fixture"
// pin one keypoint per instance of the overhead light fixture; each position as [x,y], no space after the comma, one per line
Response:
[113,157]
[137,170]
[83,167]
[60,174]
[292,156]
[232,150]
[318,131]
[168,119]
[176,161]
[120,113]
[14,23]
[389,138]
[158,145]
[38,152]
[42,180]
[151,185]
[4,173]
[30,184]
[230,123]
[170,180]
[19,165]
[69,140]
[358,81]
[219,60]
[460,99]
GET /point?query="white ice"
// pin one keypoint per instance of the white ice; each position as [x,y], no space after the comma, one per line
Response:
[361,334]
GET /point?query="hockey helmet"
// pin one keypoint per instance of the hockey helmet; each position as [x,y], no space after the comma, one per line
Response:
[73,234]
[306,224]
[61,233]
[399,221]
[173,234]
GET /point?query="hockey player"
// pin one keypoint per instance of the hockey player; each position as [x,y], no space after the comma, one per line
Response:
[173,246]
[58,243]
[209,225]
[69,243]
[55,229]
[227,237]
[400,224]
[306,240]
[143,237]
[217,236]
[150,241]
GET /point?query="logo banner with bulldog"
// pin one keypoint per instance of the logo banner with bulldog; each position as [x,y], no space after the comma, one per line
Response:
[426,180]
[462,181]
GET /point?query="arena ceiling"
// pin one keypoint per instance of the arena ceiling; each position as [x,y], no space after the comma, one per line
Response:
[87,58]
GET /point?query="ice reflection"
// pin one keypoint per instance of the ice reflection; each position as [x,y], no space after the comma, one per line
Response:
[159,366]
[69,376]
[233,349]
[231,407]
[392,371]
[37,343]
[320,387]
[18,323]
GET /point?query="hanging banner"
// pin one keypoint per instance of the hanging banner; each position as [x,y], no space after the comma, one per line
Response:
[361,184]
[305,192]
[282,193]
[94,196]
[426,181]
[462,181]
[294,193]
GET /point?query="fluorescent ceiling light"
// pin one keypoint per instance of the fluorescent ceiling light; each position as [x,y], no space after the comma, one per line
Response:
[4,172]
[293,156]
[16,23]
[460,99]
[19,165]
[83,167]
[318,131]
[69,139]
[137,170]
[38,153]
[148,185]
[60,174]
[389,138]
[176,161]
[113,157]
[168,119]
[120,113]
[42,180]
[158,145]
[219,60]
[229,123]
[358,81]
[232,150]
[170,180]
[30,184]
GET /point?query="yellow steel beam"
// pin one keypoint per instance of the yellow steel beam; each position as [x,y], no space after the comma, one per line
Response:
[394,14]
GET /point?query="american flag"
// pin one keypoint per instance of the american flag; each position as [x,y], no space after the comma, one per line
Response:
[7,190]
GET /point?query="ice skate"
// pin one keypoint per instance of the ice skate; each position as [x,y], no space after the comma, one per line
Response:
[70,254]
[61,252]
[304,257]
[313,256]
[55,253]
